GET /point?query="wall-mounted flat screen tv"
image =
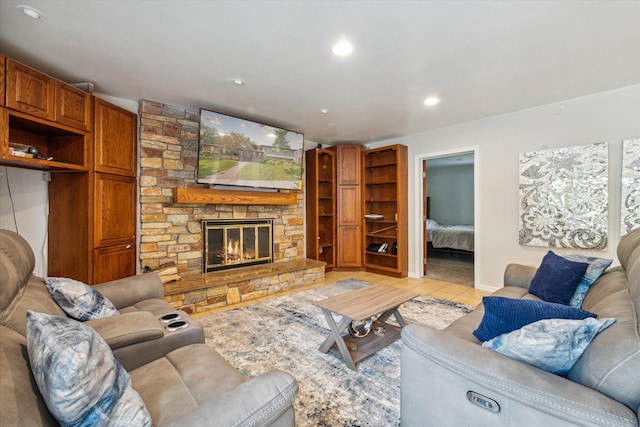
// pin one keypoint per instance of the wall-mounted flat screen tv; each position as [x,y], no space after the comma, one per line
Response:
[239,152]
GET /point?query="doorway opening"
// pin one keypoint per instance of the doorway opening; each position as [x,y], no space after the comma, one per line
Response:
[448,217]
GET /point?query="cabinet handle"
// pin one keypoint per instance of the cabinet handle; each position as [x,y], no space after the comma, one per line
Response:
[128,246]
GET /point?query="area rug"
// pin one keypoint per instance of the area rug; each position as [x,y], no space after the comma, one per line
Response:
[285,333]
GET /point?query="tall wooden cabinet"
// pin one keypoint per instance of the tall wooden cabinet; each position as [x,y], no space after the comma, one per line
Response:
[349,225]
[3,61]
[320,170]
[115,190]
[90,152]
[385,195]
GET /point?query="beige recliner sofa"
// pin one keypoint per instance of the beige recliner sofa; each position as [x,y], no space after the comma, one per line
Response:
[181,380]
[449,379]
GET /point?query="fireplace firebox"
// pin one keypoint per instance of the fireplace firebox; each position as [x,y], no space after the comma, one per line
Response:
[230,243]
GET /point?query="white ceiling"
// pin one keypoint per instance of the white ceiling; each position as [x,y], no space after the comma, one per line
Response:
[481,58]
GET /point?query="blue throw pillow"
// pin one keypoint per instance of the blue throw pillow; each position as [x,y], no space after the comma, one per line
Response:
[597,266]
[502,315]
[557,278]
[552,344]
[79,300]
[81,381]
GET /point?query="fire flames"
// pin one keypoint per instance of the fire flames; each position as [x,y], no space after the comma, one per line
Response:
[233,251]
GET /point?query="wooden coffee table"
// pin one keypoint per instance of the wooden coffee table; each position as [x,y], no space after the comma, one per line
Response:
[360,305]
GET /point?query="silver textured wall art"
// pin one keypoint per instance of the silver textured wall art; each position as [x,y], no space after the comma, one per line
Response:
[564,197]
[630,199]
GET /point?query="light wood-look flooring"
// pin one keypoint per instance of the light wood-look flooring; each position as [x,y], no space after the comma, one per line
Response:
[435,288]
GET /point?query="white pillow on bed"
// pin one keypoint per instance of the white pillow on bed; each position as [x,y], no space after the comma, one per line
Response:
[432,224]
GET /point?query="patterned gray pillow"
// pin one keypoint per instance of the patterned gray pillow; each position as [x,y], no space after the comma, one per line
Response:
[81,381]
[550,344]
[79,300]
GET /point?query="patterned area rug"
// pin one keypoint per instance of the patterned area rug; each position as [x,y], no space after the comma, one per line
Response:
[285,333]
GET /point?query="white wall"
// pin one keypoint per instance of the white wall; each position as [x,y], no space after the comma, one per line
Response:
[450,190]
[23,209]
[604,117]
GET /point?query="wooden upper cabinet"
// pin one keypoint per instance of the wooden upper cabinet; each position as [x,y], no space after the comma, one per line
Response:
[115,139]
[349,164]
[29,91]
[3,60]
[73,106]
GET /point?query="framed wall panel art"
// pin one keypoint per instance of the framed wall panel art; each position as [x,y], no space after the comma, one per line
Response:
[564,197]
[630,199]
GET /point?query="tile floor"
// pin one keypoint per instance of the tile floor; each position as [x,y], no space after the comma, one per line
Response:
[435,288]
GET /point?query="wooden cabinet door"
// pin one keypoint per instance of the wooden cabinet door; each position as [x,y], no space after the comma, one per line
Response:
[349,220]
[73,106]
[349,248]
[115,210]
[29,90]
[348,169]
[349,205]
[115,139]
[3,60]
[114,262]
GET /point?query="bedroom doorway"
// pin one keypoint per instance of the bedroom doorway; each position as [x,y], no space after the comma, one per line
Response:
[448,213]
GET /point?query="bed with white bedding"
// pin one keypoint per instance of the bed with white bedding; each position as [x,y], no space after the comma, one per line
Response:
[450,238]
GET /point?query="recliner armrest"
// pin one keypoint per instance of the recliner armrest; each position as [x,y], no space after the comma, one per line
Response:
[131,290]
[524,389]
[258,401]
[128,328]
[519,275]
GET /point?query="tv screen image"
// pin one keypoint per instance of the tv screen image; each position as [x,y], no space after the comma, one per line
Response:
[239,152]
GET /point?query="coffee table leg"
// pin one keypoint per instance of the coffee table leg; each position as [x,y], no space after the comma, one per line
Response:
[336,337]
[384,316]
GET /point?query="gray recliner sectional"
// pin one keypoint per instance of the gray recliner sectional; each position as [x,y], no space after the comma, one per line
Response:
[182,381]
[449,379]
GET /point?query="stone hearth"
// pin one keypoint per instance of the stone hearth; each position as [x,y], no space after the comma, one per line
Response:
[202,292]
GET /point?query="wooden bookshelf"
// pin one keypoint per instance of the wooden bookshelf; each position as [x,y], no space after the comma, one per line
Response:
[320,172]
[384,192]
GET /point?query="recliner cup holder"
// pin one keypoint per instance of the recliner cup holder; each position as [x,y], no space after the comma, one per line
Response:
[174,326]
[170,317]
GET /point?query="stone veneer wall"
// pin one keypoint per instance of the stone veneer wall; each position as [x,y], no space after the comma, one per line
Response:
[172,232]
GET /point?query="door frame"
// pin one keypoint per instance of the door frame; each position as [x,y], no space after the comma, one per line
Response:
[420,243]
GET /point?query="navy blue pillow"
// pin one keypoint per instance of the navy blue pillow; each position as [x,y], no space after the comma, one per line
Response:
[502,315]
[557,278]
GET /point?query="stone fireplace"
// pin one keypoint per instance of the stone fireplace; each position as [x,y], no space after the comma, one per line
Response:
[229,243]
[172,231]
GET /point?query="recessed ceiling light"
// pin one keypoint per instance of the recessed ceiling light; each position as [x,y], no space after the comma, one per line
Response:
[32,13]
[343,47]
[324,110]
[238,82]
[432,100]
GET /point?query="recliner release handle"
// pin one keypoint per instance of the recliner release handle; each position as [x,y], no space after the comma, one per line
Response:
[483,401]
